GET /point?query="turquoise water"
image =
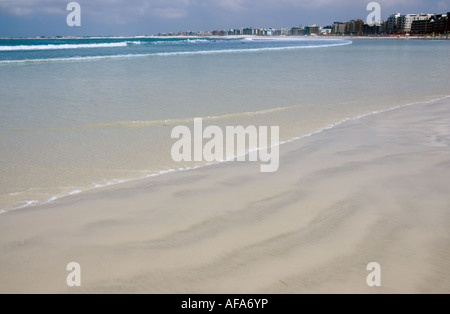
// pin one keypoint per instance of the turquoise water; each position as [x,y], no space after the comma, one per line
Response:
[77,114]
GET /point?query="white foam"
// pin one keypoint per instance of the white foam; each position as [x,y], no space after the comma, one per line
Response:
[336,124]
[74,192]
[112,182]
[181,41]
[178,53]
[29,203]
[326,128]
[2,211]
[51,199]
[290,39]
[198,40]
[66,46]
[133,42]
[224,51]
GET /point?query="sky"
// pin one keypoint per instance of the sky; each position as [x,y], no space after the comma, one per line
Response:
[28,18]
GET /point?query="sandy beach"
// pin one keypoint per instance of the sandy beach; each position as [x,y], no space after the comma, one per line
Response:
[375,189]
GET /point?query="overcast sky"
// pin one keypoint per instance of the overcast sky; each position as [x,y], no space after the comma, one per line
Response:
[139,17]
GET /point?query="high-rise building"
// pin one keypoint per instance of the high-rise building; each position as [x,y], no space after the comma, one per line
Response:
[312,30]
[355,27]
[250,31]
[440,23]
[422,25]
[284,32]
[235,32]
[404,22]
[392,23]
[298,31]
[375,29]
[339,28]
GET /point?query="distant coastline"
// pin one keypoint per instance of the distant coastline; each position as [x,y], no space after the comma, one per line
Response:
[440,37]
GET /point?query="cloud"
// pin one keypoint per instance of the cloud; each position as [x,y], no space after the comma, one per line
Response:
[143,16]
[444,5]
[233,5]
[261,4]
[114,8]
[169,13]
[180,8]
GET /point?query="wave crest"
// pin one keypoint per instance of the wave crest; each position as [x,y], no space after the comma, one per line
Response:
[177,53]
[68,46]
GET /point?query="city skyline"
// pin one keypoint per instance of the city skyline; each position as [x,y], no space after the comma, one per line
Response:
[26,18]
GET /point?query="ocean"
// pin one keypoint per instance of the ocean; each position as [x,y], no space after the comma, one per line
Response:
[80,114]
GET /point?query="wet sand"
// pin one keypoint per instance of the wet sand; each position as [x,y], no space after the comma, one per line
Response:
[374,189]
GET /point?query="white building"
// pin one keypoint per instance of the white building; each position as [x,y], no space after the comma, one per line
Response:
[404,22]
[423,17]
[325,31]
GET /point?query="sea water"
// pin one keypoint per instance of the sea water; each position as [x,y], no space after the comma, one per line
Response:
[79,114]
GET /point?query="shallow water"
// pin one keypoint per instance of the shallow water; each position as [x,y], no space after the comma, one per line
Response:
[83,113]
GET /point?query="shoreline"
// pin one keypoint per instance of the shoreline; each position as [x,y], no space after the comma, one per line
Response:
[443,37]
[372,189]
[117,182]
